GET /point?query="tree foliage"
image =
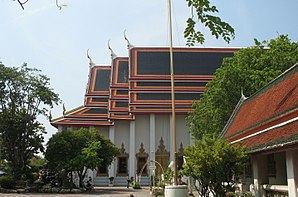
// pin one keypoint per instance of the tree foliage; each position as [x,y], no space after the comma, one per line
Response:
[204,14]
[214,163]
[79,150]
[250,69]
[24,94]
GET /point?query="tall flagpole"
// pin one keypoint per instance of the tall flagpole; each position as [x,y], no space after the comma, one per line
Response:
[173,94]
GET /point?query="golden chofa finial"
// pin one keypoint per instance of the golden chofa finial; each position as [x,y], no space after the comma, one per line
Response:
[63,109]
[113,55]
[91,63]
[129,45]
[242,94]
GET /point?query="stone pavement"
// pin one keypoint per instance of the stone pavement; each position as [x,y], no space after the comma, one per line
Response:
[97,192]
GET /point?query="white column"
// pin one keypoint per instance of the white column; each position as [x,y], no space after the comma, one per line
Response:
[152,140]
[112,138]
[292,180]
[132,152]
[259,164]
[255,175]
[171,139]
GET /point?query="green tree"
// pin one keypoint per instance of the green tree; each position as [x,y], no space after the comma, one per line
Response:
[250,69]
[203,14]
[79,150]
[36,164]
[24,94]
[214,163]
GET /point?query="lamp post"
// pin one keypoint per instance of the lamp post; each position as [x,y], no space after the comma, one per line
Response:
[174,190]
[173,94]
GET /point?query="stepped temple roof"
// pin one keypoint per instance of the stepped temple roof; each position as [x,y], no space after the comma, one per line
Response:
[140,84]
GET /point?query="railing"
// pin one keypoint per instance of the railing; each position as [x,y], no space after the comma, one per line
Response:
[276,190]
[276,194]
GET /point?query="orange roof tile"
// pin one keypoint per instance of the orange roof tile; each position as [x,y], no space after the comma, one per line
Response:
[274,104]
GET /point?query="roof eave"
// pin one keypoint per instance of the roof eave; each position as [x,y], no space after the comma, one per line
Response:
[232,117]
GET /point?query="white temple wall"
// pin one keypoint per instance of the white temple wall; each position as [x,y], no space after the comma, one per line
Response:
[140,131]
[104,130]
[162,129]
[142,135]
[182,131]
[122,134]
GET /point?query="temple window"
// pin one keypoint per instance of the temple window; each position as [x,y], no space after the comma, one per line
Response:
[248,169]
[122,159]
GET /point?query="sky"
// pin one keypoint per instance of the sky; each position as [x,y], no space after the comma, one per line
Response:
[55,41]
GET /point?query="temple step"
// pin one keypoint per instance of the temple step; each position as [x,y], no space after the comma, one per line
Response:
[101,181]
[118,181]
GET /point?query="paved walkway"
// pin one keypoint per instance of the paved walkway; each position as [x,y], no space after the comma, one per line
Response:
[98,191]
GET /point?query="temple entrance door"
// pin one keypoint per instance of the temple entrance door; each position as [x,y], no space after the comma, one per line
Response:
[162,156]
[102,171]
[142,158]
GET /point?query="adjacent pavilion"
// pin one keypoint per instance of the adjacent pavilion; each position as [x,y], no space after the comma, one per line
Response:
[266,123]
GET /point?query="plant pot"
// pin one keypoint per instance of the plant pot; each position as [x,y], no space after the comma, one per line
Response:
[176,191]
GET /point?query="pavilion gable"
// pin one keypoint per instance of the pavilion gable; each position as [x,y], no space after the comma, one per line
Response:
[269,117]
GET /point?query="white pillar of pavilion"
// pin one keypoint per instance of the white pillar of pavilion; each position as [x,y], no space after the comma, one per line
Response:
[292,163]
[259,164]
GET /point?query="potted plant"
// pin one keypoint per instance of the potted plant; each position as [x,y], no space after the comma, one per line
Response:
[111,179]
[136,185]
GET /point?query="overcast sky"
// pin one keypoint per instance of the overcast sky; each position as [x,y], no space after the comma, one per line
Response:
[56,41]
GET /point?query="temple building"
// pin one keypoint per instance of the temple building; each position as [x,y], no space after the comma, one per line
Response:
[266,123]
[129,102]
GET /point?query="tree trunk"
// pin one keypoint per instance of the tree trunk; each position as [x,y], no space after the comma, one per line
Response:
[81,184]
[71,180]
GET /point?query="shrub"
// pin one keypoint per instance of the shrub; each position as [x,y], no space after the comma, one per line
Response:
[231,194]
[47,188]
[7,182]
[160,184]
[247,194]
[136,185]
